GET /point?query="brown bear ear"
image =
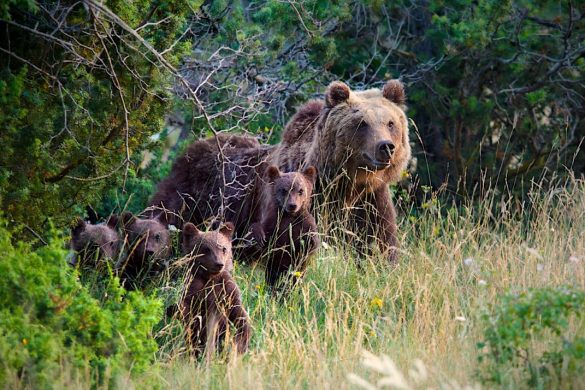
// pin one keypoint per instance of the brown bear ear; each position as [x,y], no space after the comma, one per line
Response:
[337,93]
[227,229]
[113,221]
[394,91]
[128,218]
[311,174]
[163,218]
[189,231]
[79,227]
[272,173]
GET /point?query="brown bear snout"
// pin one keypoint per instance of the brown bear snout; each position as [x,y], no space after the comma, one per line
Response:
[215,267]
[212,263]
[292,207]
[384,151]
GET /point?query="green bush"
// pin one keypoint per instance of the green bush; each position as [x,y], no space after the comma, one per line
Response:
[48,319]
[530,333]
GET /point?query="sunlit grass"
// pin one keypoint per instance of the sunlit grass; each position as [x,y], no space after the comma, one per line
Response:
[424,311]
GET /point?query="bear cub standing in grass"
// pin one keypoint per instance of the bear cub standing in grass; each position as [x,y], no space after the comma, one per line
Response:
[93,243]
[211,299]
[149,248]
[286,232]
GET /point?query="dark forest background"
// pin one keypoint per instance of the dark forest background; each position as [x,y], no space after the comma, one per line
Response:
[495,89]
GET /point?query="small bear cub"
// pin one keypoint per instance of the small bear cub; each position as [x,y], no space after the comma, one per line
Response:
[93,243]
[211,299]
[149,247]
[286,231]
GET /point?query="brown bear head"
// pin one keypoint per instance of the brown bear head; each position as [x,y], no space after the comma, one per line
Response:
[291,192]
[147,238]
[211,251]
[368,129]
[95,241]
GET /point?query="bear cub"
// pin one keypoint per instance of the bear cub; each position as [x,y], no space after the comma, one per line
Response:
[286,232]
[211,299]
[92,243]
[149,248]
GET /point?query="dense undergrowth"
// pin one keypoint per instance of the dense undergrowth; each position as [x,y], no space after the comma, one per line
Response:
[482,296]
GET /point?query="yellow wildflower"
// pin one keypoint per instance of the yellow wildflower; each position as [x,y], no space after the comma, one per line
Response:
[376,303]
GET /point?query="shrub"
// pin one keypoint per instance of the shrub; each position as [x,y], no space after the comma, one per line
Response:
[48,319]
[530,332]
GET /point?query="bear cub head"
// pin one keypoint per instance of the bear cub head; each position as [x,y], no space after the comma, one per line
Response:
[95,241]
[291,192]
[211,251]
[147,238]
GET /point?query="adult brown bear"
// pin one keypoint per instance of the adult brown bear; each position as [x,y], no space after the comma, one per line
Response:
[358,141]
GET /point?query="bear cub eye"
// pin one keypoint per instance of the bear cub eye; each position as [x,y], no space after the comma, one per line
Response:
[391,124]
[224,250]
[301,192]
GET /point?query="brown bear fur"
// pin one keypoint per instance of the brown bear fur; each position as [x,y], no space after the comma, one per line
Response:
[358,141]
[148,247]
[211,299]
[213,178]
[286,232]
[92,243]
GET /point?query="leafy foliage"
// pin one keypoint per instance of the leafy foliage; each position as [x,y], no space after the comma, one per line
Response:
[47,318]
[80,98]
[522,318]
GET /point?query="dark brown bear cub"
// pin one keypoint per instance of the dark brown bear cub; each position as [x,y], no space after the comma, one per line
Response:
[92,243]
[211,299]
[286,231]
[148,245]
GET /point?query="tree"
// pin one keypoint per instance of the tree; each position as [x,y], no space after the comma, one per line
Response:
[83,86]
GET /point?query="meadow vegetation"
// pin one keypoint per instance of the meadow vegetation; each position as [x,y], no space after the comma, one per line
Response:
[473,283]
[488,291]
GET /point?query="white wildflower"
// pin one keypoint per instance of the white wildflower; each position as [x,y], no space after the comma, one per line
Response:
[574,259]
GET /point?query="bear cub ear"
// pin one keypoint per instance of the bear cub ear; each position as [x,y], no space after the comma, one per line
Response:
[189,231]
[227,229]
[394,91]
[311,174]
[128,218]
[78,228]
[113,221]
[337,93]
[272,173]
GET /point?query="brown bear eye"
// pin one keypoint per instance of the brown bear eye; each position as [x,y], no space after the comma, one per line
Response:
[157,237]
[301,192]
[224,250]
[391,124]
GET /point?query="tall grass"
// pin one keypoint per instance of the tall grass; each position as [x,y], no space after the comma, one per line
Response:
[424,312]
